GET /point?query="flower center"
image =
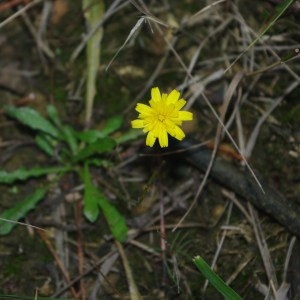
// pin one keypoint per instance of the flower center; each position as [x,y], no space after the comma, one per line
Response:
[161,117]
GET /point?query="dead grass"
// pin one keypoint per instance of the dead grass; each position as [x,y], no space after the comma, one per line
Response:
[248,105]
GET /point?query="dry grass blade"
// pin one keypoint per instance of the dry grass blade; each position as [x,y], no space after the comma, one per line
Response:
[235,145]
[283,7]
[267,47]
[204,9]
[102,273]
[288,257]
[263,118]
[133,289]
[240,268]
[37,34]
[264,251]
[220,127]
[19,12]
[23,224]
[110,11]
[59,262]
[132,32]
[220,244]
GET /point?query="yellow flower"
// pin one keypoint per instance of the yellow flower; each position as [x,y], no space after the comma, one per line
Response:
[163,116]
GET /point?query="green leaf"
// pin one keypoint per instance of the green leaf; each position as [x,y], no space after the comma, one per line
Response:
[32,119]
[70,138]
[215,280]
[44,143]
[111,125]
[98,162]
[115,220]
[130,135]
[23,174]
[89,136]
[54,117]
[98,147]
[90,197]
[68,133]
[93,198]
[20,210]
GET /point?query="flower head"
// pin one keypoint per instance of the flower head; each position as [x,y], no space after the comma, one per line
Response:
[164,116]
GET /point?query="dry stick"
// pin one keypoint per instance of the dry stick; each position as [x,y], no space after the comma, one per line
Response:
[204,9]
[245,33]
[237,116]
[201,83]
[239,18]
[133,290]
[240,267]
[258,37]
[202,44]
[150,81]
[106,267]
[110,11]
[91,269]
[131,34]
[40,43]
[19,12]
[24,224]
[163,243]
[143,8]
[232,198]
[220,245]
[243,184]
[10,4]
[288,258]
[276,64]
[80,249]
[221,126]
[264,251]
[41,32]
[58,261]
[255,132]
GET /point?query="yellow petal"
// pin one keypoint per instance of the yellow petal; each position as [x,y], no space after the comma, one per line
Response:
[155,94]
[156,128]
[179,134]
[173,97]
[163,138]
[180,104]
[154,104]
[137,124]
[164,97]
[143,109]
[150,140]
[185,115]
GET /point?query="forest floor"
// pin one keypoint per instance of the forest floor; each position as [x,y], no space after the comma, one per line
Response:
[201,49]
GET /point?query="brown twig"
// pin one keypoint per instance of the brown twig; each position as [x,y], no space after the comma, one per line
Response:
[58,261]
[12,3]
[78,219]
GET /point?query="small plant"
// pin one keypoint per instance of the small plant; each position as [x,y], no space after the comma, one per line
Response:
[215,280]
[74,151]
